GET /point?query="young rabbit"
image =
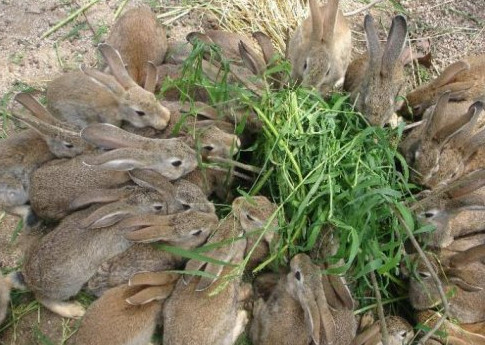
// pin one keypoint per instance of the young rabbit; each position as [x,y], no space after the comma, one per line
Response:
[139,39]
[399,330]
[464,272]
[21,154]
[450,332]
[455,224]
[446,152]
[171,157]
[127,314]
[375,79]
[65,258]
[320,48]
[194,298]
[465,80]
[62,138]
[91,96]
[191,227]
[303,310]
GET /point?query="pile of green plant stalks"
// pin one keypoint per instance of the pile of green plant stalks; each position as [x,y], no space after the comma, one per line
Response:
[326,168]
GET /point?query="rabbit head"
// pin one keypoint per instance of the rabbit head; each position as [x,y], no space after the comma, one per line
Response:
[170,157]
[192,197]
[383,77]
[62,138]
[463,272]
[319,50]
[444,151]
[464,80]
[138,38]
[399,330]
[12,191]
[187,229]
[137,106]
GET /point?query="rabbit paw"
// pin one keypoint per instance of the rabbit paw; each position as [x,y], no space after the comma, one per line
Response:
[72,310]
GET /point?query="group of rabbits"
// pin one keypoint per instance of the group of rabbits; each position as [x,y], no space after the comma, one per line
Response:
[107,169]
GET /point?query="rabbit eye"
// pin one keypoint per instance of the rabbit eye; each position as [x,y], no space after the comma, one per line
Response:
[424,275]
[68,145]
[177,163]
[298,275]
[208,148]
[248,216]
[158,207]
[328,72]
[140,113]
[402,334]
[186,207]
[305,65]
[197,233]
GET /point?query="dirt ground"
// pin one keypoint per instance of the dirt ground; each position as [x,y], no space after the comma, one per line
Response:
[455,29]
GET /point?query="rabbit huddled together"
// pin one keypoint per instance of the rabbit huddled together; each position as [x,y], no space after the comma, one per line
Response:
[114,177]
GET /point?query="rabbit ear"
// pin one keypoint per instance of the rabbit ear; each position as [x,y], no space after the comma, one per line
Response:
[463,137]
[459,90]
[151,78]
[466,257]
[373,45]
[370,335]
[317,21]
[394,45]
[123,159]
[153,278]
[105,216]
[448,129]
[250,59]
[467,184]
[193,36]
[266,46]
[108,136]
[329,20]
[437,118]
[98,196]
[449,73]
[151,179]
[46,129]
[461,282]
[341,291]
[105,80]
[150,294]
[36,108]
[116,65]
[201,109]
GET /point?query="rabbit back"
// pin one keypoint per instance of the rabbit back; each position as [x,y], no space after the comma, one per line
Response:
[139,257]
[139,38]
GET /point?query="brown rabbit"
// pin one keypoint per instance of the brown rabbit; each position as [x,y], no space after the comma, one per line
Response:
[446,152]
[170,157]
[464,272]
[127,314]
[192,228]
[450,332]
[8,282]
[399,330]
[374,80]
[464,79]
[139,39]
[62,138]
[320,48]
[64,259]
[302,309]
[91,96]
[21,154]
[195,298]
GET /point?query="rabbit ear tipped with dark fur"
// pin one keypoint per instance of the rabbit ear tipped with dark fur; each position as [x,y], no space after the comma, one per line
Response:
[373,45]
[395,44]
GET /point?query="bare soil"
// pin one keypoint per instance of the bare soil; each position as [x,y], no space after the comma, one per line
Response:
[455,28]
